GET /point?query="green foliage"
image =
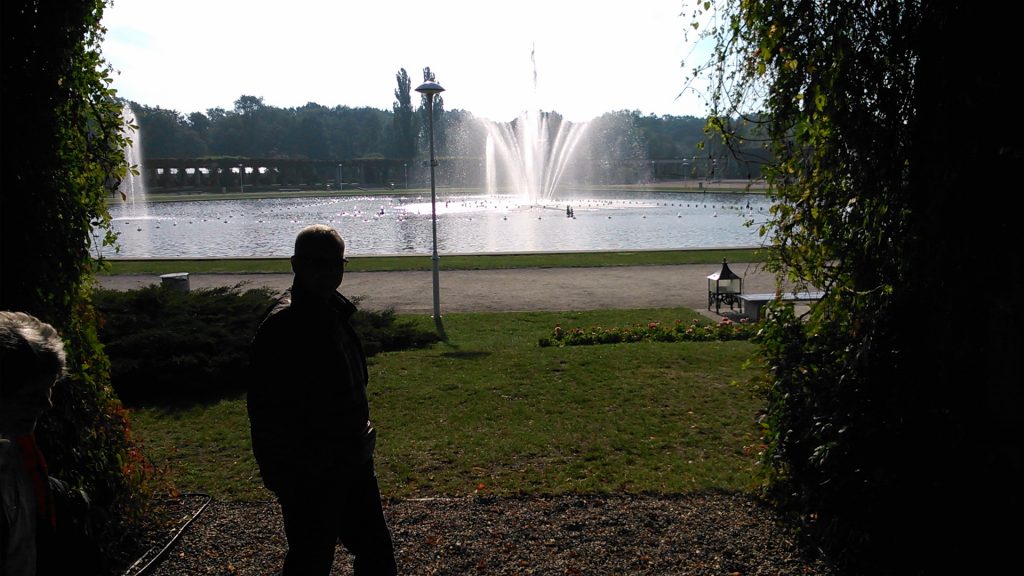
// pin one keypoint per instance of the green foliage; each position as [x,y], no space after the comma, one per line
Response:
[172,347]
[404,145]
[869,427]
[839,119]
[166,344]
[678,331]
[440,124]
[62,147]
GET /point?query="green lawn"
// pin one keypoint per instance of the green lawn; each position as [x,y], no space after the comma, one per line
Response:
[448,262]
[492,412]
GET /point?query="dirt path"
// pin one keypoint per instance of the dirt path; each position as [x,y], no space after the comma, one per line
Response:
[527,289]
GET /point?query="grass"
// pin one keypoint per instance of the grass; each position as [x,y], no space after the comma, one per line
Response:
[491,412]
[448,262]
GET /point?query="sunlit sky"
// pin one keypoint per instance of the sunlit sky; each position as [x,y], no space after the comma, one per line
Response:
[590,56]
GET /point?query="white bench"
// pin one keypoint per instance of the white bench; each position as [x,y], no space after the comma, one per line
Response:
[752,303]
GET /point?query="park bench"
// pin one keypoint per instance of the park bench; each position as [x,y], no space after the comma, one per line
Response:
[752,303]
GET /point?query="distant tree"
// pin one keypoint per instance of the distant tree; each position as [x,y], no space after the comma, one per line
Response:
[404,131]
[369,132]
[340,129]
[313,142]
[440,138]
[671,136]
[215,114]
[893,412]
[228,135]
[345,129]
[165,134]
[613,149]
[247,105]
[200,124]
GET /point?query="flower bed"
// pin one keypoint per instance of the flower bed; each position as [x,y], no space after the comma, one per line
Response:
[695,331]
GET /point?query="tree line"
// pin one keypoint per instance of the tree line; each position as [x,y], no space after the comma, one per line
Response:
[316,132]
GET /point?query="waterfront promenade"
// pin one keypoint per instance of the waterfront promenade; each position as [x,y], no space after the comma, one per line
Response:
[523,289]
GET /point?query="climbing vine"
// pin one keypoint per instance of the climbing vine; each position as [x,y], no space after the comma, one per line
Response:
[858,101]
[63,154]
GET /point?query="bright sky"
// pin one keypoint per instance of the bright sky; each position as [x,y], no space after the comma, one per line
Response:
[592,56]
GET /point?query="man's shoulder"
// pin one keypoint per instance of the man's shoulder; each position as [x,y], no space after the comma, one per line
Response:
[279,314]
[344,305]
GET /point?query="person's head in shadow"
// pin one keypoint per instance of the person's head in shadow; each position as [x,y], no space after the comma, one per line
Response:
[319,260]
[49,529]
[32,360]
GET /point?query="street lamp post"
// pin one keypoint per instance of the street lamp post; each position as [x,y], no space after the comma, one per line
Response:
[341,183]
[430,89]
[406,165]
[241,178]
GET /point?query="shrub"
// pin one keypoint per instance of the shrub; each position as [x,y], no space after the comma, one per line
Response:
[171,346]
[381,331]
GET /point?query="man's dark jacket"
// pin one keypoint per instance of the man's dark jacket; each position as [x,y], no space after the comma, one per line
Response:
[308,411]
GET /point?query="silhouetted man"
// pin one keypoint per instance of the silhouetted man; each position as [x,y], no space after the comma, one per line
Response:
[309,417]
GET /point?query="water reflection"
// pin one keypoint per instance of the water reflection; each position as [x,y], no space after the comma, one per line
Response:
[383,225]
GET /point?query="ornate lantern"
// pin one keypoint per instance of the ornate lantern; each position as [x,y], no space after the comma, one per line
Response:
[724,287]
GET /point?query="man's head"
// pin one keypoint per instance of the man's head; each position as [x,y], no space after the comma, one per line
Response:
[319,259]
[31,361]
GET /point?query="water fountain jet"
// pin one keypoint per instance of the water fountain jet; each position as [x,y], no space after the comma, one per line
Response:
[532,154]
[528,156]
[132,189]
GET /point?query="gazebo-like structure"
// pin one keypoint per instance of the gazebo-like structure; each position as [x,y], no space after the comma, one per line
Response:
[724,287]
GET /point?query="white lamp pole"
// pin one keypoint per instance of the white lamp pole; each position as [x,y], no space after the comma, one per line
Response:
[430,89]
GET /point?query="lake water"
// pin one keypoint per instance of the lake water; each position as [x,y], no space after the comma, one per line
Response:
[466,224]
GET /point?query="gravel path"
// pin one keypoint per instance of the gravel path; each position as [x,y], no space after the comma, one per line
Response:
[692,534]
[526,289]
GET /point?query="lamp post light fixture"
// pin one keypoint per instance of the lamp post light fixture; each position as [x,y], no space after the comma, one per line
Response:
[724,287]
[430,89]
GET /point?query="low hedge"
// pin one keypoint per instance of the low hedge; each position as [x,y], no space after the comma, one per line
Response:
[168,346]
